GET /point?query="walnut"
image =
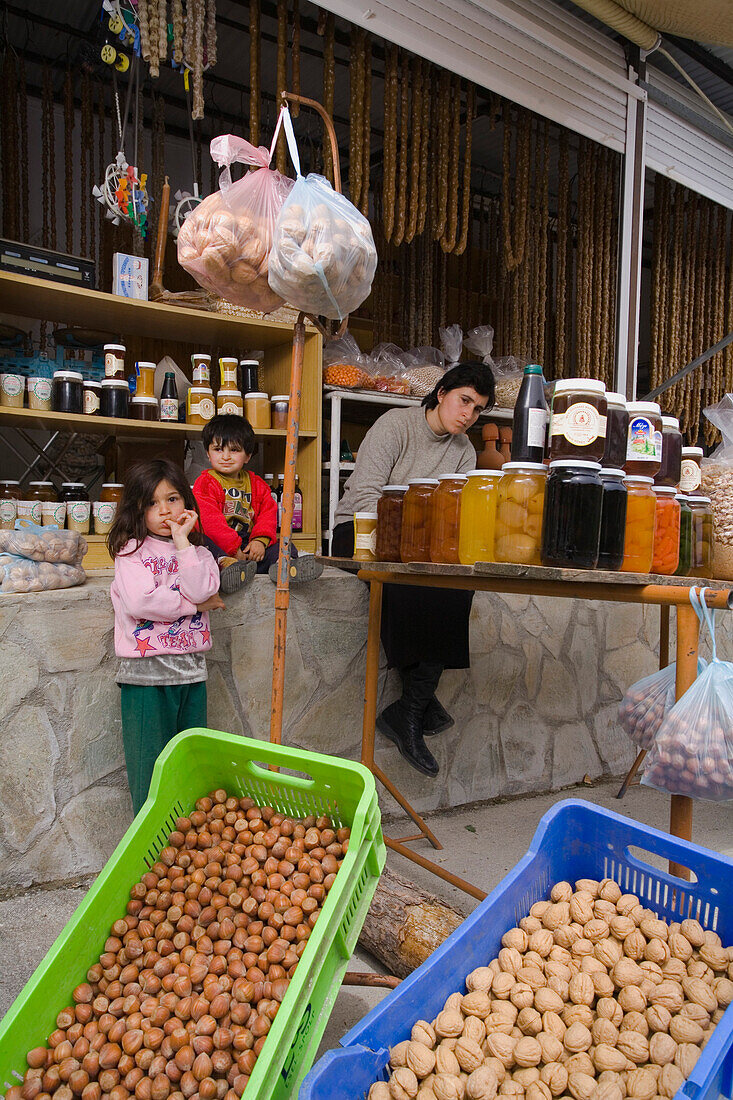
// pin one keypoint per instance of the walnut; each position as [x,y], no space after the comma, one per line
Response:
[531,976]
[448,1024]
[693,931]
[502,985]
[635,946]
[581,907]
[555,1076]
[607,1092]
[453,1003]
[420,1059]
[526,1076]
[626,903]
[670,1080]
[476,1003]
[469,1054]
[445,1061]
[606,1057]
[577,1038]
[516,938]
[652,970]
[626,972]
[723,989]
[658,1017]
[581,947]
[581,990]
[423,1032]
[449,1087]
[581,1085]
[698,991]
[509,1087]
[634,1045]
[662,1048]
[635,1021]
[529,1021]
[668,994]
[398,1054]
[561,987]
[424,1093]
[674,969]
[497,1022]
[505,1008]
[609,890]
[641,1084]
[498,1067]
[654,929]
[604,910]
[561,891]
[588,885]
[685,1057]
[480,979]
[510,960]
[696,968]
[561,955]
[538,1090]
[609,1009]
[711,937]
[530,924]
[608,951]
[554,1024]
[527,1052]
[403,1084]
[695,1012]
[555,969]
[578,1014]
[566,935]
[474,1029]
[522,995]
[542,942]
[679,946]
[540,908]
[602,984]
[501,1047]
[379,1091]
[603,1031]
[482,1084]
[556,914]
[657,951]
[552,1047]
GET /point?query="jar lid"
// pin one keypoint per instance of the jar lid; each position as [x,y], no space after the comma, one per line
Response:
[533,467]
[201,355]
[8,481]
[68,375]
[422,481]
[280,397]
[533,368]
[114,384]
[692,452]
[571,464]
[256,393]
[249,362]
[451,477]
[696,499]
[228,393]
[615,398]
[650,407]
[143,399]
[38,378]
[201,389]
[73,485]
[612,471]
[143,366]
[112,485]
[640,477]
[115,347]
[41,483]
[393,489]
[582,385]
[484,473]
[228,359]
[90,382]
[665,490]
[365,515]
[670,422]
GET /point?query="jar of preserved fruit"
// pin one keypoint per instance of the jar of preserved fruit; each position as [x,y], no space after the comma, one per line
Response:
[112,492]
[518,529]
[92,397]
[571,522]
[200,407]
[9,497]
[365,536]
[617,430]
[78,509]
[415,538]
[578,419]
[701,536]
[641,507]
[478,516]
[114,398]
[143,407]
[280,405]
[67,391]
[445,517]
[389,522]
[201,369]
[613,520]
[644,443]
[685,555]
[691,475]
[670,471]
[666,530]
[257,409]
[114,360]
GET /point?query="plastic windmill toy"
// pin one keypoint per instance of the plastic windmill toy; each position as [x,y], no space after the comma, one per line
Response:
[123,191]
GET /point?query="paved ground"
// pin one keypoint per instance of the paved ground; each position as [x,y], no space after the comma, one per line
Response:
[481,844]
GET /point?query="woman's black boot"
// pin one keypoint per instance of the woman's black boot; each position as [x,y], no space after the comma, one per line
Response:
[436,718]
[402,722]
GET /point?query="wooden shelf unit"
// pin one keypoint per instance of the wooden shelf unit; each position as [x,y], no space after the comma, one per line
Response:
[156,324]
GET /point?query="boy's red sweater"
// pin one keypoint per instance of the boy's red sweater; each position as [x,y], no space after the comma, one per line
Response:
[210,497]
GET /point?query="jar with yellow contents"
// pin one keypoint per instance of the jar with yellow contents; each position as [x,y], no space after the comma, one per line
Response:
[445,516]
[518,529]
[641,505]
[478,516]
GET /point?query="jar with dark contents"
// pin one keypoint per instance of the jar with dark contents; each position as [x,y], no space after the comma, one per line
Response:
[415,539]
[578,420]
[389,522]
[644,442]
[571,522]
[67,392]
[280,404]
[701,537]
[144,408]
[445,518]
[613,520]
[617,428]
[685,555]
[114,398]
[671,468]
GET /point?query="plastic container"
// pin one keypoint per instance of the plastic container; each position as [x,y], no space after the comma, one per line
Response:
[250,374]
[12,388]
[666,531]
[573,840]
[613,520]
[114,360]
[145,375]
[201,369]
[9,497]
[578,419]
[279,405]
[518,529]
[670,471]
[478,516]
[571,522]
[685,556]
[690,475]
[200,407]
[92,397]
[39,393]
[114,398]
[389,522]
[617,429]
[641,507]
[143,407]
[257,409]
[229,403]
[445,518]
[190,765]
[53,511]
[78,509]
[67,392]
[415,537]
[644,442]
[365,536]
[701,537]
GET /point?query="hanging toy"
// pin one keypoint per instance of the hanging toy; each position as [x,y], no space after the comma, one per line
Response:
[124,192]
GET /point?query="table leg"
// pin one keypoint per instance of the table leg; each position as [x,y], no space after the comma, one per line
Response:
[688,636]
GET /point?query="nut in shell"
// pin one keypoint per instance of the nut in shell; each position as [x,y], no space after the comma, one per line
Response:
[634,1045]
[662,1048]
[529,1021]
[685,1058]
[555,1076]
[693,931]
[403,1084]
[669,994]
[577,1038]
[398,1054]
[581,1086]
[448,1024]
[581,990]
[527,1052]
[607,1057]
[446,1062]
[474,1029]
[516,938]
[469,1054]
[482,1084]
[420,1059]
[501,1047]
[380,1091]
[552,1047]
[448,1087]
[658,1017]
[480,979]
[670,1080]
[423,1032]
[476,1003]
[641,1084]
[700,992]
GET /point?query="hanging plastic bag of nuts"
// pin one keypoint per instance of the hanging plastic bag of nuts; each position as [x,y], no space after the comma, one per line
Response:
[692,753]
[645,704]
[717,483]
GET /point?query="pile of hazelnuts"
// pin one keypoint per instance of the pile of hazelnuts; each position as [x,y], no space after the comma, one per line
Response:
[179,1005]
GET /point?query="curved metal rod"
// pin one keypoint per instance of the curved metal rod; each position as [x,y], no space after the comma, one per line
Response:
[328,123]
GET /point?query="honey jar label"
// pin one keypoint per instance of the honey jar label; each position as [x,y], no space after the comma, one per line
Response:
[114,365]
[168,408]
[644,442]
[231,408]
[91,402]
[366,541]
[53,513]
[690,476]
[204,408]
[31,510]
[581,425]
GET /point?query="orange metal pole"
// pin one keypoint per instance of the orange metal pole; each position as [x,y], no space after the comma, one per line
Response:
[688,636]
[371,682]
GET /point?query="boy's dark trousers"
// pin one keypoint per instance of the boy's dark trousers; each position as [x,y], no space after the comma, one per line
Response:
[270,558]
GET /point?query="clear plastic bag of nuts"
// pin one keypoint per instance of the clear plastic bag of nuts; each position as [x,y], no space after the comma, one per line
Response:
[717,483]
[645,704]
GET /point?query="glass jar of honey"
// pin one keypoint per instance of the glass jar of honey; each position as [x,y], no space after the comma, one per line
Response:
[701,536]
[445,516]
[691,472]
[389,522]
[280,404]
[200,407]
[229,403]
[478,516]
[9,497]
[143,407]
[145,379]
[571,523]
[617,430]
[666,530]
[578,419]
[644,442]
[415,538]
[365,536]
[201,368]
[228,373]
[671,468]
[257,409]
[613,520]
[685,554]
[641,507]
[518,530]
[78,509]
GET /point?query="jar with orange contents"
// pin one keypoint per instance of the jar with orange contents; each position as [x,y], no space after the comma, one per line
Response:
[389,522]
[641,505]
[518,529]
[415,538]
[666,531]
[445,518]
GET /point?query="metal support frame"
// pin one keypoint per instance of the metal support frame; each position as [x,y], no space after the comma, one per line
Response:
[42,453]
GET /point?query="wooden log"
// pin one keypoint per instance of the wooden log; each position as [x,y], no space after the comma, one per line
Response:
[405,924]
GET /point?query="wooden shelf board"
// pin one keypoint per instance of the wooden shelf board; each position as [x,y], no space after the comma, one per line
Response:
[107,425]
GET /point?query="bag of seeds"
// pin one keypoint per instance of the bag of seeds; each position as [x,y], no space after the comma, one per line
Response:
[717,483]
[692,752]
[424,368]
[643,707]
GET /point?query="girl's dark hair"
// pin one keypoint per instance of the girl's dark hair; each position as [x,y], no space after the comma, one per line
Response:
[473,374]
[141,482]
[230,431]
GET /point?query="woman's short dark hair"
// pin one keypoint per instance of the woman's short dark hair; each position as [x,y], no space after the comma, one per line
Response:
[230,431]
[141,481]
[472,373]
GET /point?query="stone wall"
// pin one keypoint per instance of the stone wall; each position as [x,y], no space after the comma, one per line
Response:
[536,712]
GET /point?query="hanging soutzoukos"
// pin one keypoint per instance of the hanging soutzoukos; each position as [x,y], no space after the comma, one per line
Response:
[329,84]
[417,140]
[281,78]
[467,201]
[366,124]
[295,57]
[9,130]
[356,107]
[561,249]
[404,166]
[389,157]
[443,156]
[254,73]
[69,160]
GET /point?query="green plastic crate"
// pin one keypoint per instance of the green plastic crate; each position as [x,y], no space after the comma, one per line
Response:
[191,765]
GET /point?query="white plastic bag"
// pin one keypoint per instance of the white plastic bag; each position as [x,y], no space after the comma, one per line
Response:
[480,341]
[692,753]
[451,341]
[717,483]
[344,364]
[645,704]
[225,242]
[323,257]
[47,544]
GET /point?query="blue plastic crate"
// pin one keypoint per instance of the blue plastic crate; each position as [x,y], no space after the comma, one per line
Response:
[573,840]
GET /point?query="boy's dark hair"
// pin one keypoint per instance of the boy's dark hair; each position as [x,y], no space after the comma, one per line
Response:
[230,431]
[471,373]
[141,481]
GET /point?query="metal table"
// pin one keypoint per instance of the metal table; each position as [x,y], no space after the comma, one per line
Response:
[665,592]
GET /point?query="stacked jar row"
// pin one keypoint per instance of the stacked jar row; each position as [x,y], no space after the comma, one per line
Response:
[576,516]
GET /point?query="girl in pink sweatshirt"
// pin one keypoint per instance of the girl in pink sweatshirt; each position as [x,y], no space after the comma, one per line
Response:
[164,588]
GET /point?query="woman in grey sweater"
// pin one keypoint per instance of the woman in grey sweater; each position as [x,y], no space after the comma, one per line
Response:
[423,630]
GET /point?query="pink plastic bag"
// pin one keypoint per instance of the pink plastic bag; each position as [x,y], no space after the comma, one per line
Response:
[224,243]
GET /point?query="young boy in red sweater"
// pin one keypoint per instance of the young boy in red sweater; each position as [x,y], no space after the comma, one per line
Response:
[238,513]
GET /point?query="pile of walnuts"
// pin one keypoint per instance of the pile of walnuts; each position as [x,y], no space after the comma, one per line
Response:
[591,997]
[179,1005]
